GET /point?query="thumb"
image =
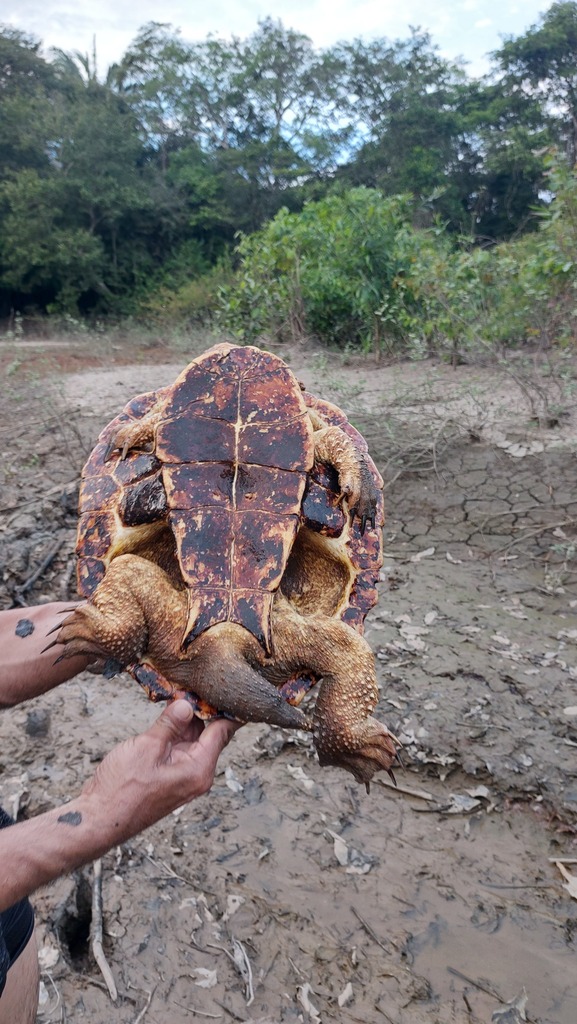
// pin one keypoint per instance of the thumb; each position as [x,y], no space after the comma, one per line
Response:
[173,722]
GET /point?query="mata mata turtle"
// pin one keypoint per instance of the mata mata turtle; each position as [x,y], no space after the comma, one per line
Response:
[229,545]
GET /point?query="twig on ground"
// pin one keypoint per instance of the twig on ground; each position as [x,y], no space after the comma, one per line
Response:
[419,794]
[66,578]
[370,931]
[198,1013]
[96,930]
[140,1017]
[528,533]
[239,958]
[476,984]
[55,548]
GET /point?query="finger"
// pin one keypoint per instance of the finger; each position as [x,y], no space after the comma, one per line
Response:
[216,735]
[222,729]
[174,723]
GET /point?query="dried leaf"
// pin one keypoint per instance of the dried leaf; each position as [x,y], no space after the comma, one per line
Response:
[346,995]
[232,781]
[513,1012]
[480,791]
[242,963]
[359,863]
[233,902]
[340,848]
[570,880]
[303,997]
[48,957]
[459,803]
[297,773]
[422,554]
[206,978]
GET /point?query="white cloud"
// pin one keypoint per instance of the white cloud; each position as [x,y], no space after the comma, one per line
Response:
[114,23]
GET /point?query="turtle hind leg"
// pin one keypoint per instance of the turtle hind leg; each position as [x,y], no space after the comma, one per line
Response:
[345,734]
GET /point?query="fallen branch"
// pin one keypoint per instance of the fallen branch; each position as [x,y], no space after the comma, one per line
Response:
[41,568]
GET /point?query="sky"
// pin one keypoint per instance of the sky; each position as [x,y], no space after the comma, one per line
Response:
[461,28]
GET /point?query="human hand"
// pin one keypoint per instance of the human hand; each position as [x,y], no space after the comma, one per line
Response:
[150,775]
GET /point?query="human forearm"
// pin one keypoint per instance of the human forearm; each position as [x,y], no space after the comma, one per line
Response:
[25,671]
[137,783]
[35,852]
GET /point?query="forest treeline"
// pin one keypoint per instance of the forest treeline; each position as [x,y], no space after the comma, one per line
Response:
[353,193]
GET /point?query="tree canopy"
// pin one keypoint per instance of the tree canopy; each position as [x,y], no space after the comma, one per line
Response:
[115,185]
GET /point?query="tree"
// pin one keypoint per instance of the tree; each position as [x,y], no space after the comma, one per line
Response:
[541,66]
[406,101]
[27,87]
[43,258]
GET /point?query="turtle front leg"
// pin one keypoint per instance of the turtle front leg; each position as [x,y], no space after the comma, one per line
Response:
[345,734]
[111,626]
[136,616]
[337,449]
[136,434]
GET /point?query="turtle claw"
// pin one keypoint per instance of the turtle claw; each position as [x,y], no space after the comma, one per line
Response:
[113,446]
[367,747]
[367,518]
[58,626]
[135,435]
[53,643]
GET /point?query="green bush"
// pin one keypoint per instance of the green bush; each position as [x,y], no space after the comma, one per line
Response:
[353,270]
[340,271]
[182,298]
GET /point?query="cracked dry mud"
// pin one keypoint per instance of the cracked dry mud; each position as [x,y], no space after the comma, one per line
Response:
[435,904]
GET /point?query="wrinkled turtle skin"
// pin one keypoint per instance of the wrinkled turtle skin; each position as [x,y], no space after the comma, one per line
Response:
[229,545]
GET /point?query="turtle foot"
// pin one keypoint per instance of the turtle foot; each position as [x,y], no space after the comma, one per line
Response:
[111,644]
[138,434]
[77,636]
[356,481]
[365,749]
[362,496]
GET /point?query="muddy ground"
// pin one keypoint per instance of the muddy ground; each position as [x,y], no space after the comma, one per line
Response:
[288,894]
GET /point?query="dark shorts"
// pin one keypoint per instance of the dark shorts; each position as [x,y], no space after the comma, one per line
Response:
[16,926]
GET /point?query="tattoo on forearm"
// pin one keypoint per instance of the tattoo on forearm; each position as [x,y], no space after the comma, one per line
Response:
[24,627]
[71,818]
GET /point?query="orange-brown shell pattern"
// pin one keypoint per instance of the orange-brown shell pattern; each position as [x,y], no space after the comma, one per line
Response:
[236,445]
[114,493]
[228,467]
